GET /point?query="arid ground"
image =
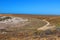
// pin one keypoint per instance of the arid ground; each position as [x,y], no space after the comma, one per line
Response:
[29,27]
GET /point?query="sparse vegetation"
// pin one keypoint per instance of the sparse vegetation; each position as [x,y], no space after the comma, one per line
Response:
[2,19]
[29,32]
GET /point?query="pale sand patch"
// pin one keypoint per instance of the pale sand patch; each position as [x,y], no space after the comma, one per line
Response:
[13,22]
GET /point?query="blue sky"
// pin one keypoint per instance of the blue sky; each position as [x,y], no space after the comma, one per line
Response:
[43,7]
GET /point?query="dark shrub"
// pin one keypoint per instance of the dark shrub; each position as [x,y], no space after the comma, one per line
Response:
[48,32]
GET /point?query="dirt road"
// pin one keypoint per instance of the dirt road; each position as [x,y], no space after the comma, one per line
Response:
[47,26]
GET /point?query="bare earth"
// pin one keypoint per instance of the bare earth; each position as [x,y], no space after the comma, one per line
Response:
[47,26]
[29,27]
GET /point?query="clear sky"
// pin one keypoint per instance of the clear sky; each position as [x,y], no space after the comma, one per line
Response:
[30,7]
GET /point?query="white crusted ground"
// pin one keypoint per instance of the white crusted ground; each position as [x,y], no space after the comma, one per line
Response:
[13,22]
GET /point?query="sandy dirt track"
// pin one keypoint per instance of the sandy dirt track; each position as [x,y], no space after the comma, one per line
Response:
[47,26]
